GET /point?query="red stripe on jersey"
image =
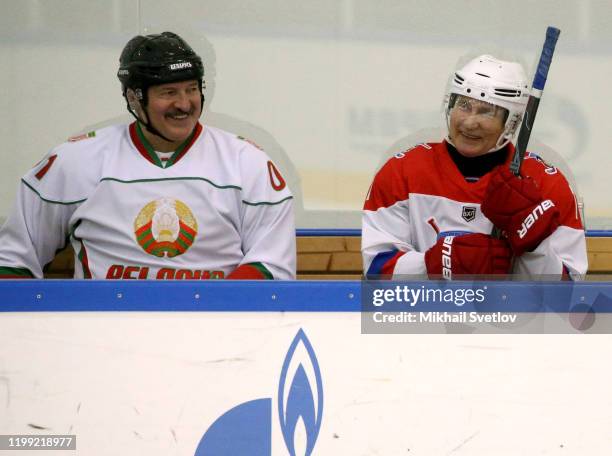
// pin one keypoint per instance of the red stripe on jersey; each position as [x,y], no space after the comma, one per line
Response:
[565,275]
[383,264]
[138,144]
[389,266]
[142,149]
[84,261]
[196,134]
[434,225]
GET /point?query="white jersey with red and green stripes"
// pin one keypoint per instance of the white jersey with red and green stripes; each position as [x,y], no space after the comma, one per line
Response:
[217,208]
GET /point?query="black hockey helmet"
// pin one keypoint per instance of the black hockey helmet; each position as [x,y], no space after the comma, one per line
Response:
[158,59]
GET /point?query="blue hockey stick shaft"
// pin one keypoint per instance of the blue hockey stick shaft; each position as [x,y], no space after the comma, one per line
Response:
[539,81]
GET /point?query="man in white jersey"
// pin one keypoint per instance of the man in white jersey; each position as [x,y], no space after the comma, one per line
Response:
[161,198]
[431,209]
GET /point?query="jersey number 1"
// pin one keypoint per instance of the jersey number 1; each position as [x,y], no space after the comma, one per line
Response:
[276,180]
[41,173]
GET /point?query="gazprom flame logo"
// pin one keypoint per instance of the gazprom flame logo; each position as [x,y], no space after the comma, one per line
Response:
[300,408]
[165,228]
[247,428]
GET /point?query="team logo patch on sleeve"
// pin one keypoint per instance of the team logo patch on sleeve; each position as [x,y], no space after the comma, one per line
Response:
[91,134]
[251,142]
[165,228]
[468,213]
[548,169]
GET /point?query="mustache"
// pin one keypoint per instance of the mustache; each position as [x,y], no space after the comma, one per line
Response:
[178,112]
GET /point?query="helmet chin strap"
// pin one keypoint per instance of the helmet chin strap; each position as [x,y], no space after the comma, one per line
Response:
[148,125]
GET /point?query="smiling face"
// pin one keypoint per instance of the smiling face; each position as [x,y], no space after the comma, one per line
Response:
[173,109]
[475,126]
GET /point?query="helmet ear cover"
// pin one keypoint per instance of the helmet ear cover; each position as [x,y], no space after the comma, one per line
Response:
[494,81]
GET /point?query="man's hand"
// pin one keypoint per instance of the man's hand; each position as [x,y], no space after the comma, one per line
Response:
[468,255]
[516,206]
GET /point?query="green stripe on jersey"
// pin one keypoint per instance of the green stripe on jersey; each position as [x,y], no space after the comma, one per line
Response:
[138,181]
[151,151]
[15,272]
[267,203]
[65,203]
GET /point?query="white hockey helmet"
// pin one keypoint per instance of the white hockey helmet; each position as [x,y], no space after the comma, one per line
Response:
[495,81]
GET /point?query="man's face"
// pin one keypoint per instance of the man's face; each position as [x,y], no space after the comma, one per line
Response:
[475,126]
[173,109]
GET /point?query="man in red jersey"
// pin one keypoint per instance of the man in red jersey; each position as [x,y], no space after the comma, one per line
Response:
[431,209]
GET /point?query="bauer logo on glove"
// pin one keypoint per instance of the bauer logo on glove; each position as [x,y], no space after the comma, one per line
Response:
[516,206]
[468,256]
[535,215]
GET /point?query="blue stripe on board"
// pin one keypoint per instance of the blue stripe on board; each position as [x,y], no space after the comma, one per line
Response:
[328,232]
[599,233]
[357,232]
[116,295]
[291,296]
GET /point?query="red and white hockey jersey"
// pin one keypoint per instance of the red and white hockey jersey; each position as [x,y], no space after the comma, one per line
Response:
[420,195]
[218,207]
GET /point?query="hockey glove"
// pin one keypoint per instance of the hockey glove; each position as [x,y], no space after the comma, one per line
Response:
[516,206]
[455,257]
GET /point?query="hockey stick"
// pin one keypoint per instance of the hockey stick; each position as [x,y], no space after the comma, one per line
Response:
[537,87]
[539,80]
